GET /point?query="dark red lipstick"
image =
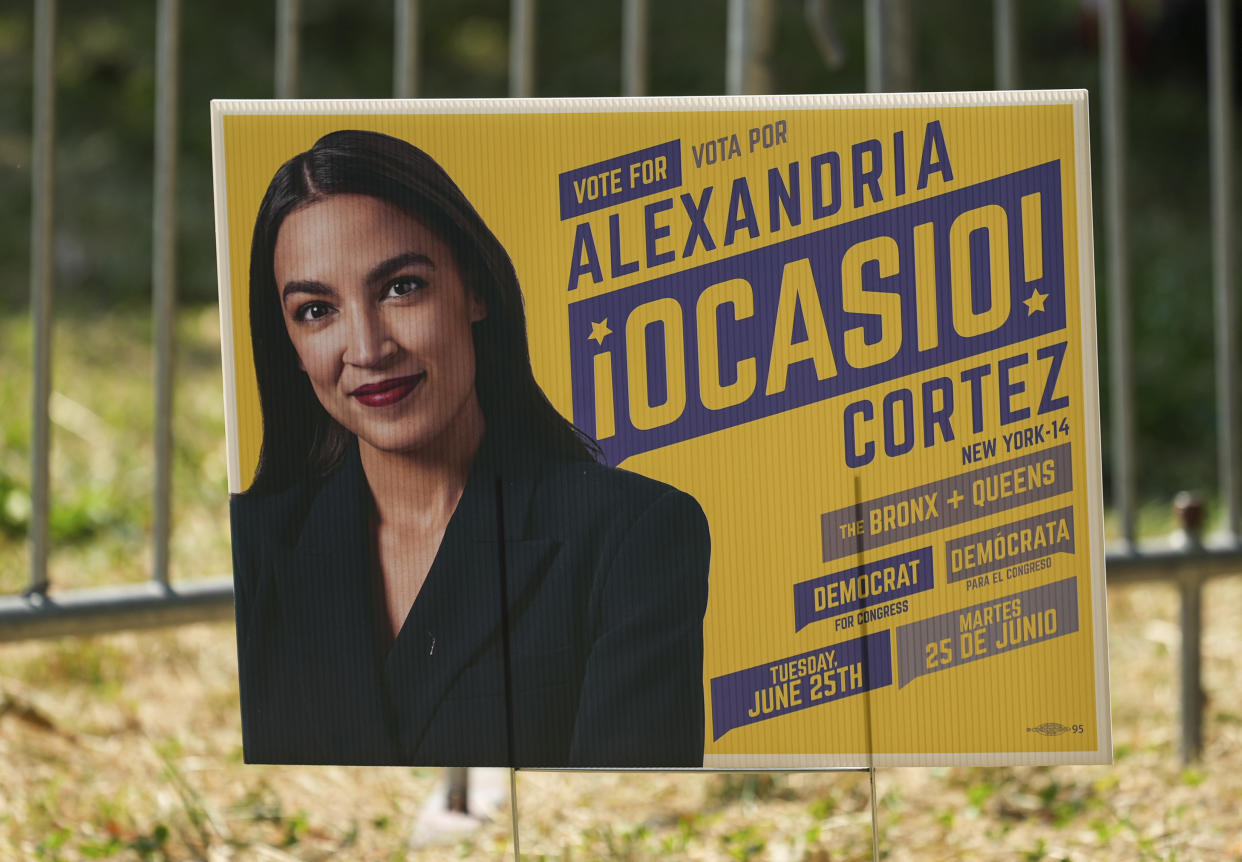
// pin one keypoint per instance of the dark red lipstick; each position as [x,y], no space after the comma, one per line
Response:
[387,392]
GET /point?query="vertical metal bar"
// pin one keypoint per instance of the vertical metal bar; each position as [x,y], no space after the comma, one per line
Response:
[43,142]
[747,68]
[1111,74]
[457,789]
[735,48]
[1191,593]
[1190,513]
[889,40]
[874,37]
[521,48]
[1005,42]
[405,51]
[164,273]
[634,48]
[1224,260]
[288,13]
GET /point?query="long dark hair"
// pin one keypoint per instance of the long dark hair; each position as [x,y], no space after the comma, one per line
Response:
[300,439]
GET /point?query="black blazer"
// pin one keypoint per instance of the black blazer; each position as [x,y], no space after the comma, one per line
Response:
[604,577]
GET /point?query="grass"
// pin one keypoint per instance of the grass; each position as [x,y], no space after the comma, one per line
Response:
[125,747]
[102,414]
[128,746]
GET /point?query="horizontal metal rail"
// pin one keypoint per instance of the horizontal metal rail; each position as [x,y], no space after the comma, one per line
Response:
[103,610]
[152,605]
[1171,565]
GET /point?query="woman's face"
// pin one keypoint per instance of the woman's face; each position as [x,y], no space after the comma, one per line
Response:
[381,321]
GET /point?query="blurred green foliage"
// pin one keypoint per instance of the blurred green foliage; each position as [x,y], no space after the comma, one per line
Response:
[105,93]
[102,412]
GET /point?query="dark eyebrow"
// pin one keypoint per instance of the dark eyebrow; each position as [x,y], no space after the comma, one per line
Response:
[379,272]
[386,268]
[314,288]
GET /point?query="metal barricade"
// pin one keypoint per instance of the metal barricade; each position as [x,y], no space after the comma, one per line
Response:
[42,612]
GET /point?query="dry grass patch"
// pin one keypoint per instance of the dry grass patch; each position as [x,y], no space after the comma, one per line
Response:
[128,747]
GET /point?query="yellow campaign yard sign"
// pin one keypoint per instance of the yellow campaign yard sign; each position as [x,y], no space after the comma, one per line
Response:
[859,331]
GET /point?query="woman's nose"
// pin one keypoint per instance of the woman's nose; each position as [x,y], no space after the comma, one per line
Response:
[370,343]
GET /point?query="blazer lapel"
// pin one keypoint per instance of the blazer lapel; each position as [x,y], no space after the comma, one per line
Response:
[323,592]
[454,633]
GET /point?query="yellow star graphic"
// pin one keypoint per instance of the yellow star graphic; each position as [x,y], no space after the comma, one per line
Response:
[600,331]
[1035,302]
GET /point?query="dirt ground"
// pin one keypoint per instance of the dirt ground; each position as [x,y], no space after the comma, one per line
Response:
[128,746]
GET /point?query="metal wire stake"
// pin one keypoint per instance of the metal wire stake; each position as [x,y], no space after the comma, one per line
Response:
[875,818]
[513,807]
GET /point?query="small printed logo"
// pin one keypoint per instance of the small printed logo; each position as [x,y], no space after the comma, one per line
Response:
[1049,728]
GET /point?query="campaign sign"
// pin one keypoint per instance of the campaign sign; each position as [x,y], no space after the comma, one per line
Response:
[729,432]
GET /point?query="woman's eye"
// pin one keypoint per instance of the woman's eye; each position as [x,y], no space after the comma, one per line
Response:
[313,311]
[404,286]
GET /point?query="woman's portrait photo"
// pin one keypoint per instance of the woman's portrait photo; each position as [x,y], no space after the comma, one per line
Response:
[432,566]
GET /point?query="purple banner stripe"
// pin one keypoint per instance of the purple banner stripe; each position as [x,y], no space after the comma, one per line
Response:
[620,179]
[947,502]
[800,682]
[862,586]
[987,629]
[619,370]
